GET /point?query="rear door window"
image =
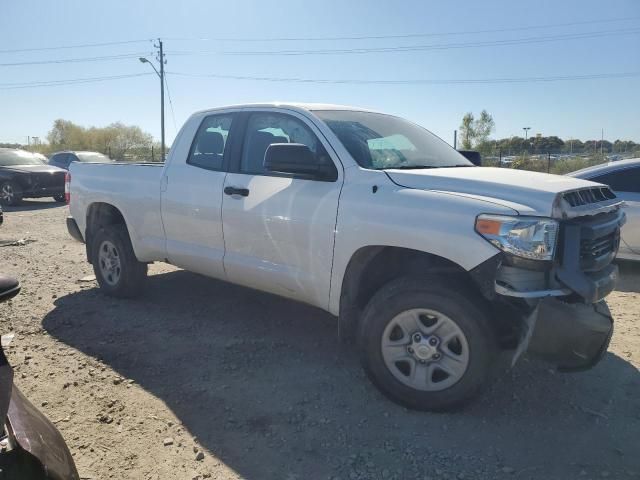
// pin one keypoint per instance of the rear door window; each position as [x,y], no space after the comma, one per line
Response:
[210,143]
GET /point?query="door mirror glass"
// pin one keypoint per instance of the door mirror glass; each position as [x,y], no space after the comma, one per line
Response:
[297,159]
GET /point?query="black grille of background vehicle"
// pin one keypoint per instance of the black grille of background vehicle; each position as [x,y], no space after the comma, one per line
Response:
[587,196]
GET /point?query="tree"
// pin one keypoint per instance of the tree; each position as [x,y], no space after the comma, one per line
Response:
[467,132]
[117,140]
[475,132]
[484,126]
[66,135]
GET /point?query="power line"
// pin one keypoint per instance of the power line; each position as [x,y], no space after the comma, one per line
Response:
[407,48]
[330,38]
[502,80]
[77,60]
[413,48]
[82,45]
[457,81]
[73,81]
[173,115]
[407,35]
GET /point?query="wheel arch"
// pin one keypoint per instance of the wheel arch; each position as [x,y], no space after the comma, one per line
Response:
[371,267]
[99,215]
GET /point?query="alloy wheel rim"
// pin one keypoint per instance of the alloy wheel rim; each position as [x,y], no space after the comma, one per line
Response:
[7,192]
[425,350]
[109,262]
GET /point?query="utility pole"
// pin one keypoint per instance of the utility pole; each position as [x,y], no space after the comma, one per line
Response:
[455,139]
[162,61]
[162,96]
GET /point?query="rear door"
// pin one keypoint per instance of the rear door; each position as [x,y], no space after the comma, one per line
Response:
[191,194]
[279,232]
[626,184]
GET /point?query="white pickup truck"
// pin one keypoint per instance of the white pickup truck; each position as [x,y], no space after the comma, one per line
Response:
[431,264]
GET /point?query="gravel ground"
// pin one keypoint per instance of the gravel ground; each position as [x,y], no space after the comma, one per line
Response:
[202,379]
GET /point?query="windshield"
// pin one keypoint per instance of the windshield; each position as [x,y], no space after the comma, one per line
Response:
[92,157]
[381,141]
[9,158]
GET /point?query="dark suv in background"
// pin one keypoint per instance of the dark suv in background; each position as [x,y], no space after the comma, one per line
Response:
[64,159]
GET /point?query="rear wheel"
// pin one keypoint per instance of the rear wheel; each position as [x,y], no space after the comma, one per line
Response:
[118,271]
[60,198]
[425,344]
[10,193]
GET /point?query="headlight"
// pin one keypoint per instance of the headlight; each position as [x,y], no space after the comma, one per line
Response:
[527,237]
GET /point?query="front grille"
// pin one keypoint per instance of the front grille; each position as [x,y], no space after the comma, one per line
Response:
[594,251]
[586,196]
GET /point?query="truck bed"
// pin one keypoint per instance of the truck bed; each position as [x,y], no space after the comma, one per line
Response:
[134,189]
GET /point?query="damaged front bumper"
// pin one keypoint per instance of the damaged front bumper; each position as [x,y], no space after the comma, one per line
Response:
[572,336]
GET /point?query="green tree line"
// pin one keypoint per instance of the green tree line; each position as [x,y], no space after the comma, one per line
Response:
[554,144]
[117,140]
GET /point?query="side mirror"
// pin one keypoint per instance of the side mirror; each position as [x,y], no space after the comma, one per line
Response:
[297,159]
[473,156]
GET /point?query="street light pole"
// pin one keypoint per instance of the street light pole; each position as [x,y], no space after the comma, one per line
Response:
[160,74]
[526,131]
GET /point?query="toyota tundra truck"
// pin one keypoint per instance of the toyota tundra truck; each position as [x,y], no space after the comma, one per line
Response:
[434,267]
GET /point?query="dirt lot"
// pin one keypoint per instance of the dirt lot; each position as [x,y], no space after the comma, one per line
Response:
[201,379]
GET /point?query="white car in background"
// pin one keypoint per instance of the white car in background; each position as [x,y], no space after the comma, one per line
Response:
[623,177]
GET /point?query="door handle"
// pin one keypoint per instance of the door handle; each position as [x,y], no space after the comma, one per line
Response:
[243,192]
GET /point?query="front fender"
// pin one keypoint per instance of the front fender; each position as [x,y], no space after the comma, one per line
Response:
[437,223]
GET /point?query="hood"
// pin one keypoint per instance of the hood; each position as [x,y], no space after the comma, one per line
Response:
[32,169]
[529,193]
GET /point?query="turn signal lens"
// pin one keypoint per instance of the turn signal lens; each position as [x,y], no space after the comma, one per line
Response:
[488,227]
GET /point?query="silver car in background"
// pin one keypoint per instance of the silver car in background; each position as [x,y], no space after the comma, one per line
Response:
[623,177]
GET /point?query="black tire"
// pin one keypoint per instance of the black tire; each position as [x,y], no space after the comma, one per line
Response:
[457,302]
[60,198]
[132,275]
[10,193]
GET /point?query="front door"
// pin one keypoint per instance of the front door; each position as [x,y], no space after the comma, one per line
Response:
[279,230]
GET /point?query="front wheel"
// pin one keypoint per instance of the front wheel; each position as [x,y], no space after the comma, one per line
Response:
[10,193]
[118,271]
[425,344]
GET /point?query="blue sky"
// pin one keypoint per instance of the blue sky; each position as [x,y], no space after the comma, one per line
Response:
[578,109]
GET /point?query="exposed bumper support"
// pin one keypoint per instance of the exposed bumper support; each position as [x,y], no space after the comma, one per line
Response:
[502,290]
